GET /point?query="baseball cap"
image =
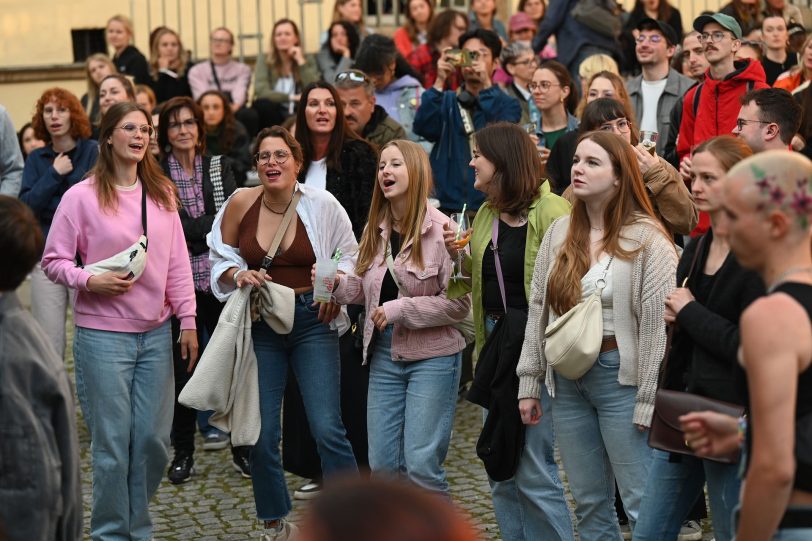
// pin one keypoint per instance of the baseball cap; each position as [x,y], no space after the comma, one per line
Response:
[521,21]
[652,24]
[725,21]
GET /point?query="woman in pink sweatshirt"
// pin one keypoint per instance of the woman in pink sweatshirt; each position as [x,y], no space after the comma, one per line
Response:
[413,351]
[122,344]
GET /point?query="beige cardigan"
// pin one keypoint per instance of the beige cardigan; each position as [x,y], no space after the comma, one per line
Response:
[639,288]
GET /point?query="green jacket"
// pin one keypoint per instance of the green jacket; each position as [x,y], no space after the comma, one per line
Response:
[265,79]
[543,211]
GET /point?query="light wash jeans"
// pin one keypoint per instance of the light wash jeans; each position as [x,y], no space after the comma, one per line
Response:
[786,534]
[410,414]
[311,350]
[673,488]
[125,384]
[598,442]
[531,506]
[49,306]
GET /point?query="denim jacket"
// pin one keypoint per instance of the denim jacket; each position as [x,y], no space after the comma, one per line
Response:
[423,319]
[572,125]
[40,489]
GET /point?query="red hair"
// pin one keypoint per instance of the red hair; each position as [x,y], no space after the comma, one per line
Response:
[79,123]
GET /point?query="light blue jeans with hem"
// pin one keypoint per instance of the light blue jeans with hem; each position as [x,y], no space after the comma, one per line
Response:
[125,384]
[531,504]
[410,414]
[599,442]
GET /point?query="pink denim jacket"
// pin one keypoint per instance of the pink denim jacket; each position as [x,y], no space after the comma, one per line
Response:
[422,320]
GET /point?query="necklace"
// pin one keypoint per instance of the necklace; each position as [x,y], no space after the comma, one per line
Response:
[783,276]
[595,228]
[268,206]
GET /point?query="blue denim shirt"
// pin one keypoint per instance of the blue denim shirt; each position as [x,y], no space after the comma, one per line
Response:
[43,187]
[40,489]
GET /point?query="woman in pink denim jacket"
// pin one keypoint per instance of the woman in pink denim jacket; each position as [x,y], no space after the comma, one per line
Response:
[409,342]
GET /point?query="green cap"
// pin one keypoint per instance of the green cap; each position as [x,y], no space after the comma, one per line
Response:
[725,21]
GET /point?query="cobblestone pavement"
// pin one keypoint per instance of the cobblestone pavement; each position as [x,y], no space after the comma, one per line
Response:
[218,504]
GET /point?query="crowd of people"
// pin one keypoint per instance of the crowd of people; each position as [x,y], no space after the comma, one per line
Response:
[347,233]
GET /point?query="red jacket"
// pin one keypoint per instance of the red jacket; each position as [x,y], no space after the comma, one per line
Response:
[718,105]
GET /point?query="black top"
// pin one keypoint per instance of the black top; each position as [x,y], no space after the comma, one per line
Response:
[512,241]
[389,289]
[559,164]
[131,62]
[774,69]
[803,402]
[704,350]
[167,87]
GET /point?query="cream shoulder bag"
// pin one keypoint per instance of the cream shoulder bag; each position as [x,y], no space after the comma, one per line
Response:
[131,261]
[573,341]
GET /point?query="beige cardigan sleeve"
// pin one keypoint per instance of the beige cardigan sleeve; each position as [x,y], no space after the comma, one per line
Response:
[654,278]
[532,366]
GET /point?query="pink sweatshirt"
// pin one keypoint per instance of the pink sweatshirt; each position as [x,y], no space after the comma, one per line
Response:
[81,225]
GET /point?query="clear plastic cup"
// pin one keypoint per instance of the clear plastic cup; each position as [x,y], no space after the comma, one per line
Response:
[326,270]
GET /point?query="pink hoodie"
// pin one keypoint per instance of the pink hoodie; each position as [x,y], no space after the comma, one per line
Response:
[81,226]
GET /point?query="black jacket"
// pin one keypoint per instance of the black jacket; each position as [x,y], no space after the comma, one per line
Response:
[353,184]
[496,387]
[196,229]
[704,351]
[134,64]
[559,163]
[167,87]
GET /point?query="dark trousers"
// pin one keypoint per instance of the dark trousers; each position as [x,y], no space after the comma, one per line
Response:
[249,119]
[185,419]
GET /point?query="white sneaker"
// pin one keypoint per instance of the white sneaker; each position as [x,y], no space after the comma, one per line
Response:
[690,531]
[286,531]
[308,491]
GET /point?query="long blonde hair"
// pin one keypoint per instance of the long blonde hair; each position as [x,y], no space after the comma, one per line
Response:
[627,205]
[158,186]
[419,170]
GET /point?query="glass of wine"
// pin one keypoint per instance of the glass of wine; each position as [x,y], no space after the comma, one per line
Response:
[462,237]
[649,140]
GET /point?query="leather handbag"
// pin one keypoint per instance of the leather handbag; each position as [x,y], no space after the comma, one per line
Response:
[602,16]
[132,260]
[665,433]
[573,341]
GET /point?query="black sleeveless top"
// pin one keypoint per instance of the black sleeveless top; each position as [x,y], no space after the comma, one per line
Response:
[803,406]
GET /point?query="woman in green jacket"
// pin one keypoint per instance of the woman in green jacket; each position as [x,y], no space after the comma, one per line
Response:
[278,82]
[506,166]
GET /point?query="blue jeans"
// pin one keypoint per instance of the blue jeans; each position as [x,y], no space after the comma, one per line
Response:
[311,350]
[673,488]
[125,385]
[531,504]
[786,534]
[410,414]
[598,442]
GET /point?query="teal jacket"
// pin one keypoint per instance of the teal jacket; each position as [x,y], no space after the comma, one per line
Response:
[543,212]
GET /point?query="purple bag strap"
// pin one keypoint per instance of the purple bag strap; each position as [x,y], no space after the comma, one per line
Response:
[495,248]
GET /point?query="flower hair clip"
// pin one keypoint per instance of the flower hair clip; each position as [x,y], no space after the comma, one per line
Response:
[798,200]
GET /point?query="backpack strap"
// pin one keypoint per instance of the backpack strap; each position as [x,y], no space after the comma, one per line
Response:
[696,97]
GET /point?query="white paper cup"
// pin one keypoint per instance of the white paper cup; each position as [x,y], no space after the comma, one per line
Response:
[326,270]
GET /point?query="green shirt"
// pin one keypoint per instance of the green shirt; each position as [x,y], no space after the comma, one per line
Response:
[552,137]
[542,212]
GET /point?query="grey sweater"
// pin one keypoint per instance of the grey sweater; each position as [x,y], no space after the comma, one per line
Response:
[639,288]
[11,158]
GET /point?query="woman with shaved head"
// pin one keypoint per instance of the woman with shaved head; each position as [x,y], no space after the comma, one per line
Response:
[768,209]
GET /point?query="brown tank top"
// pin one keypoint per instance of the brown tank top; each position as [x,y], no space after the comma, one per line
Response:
[290,268]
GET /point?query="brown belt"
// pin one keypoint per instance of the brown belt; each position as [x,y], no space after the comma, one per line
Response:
[608,344]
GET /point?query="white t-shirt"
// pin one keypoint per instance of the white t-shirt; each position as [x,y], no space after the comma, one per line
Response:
[588,283]
[317,174]
[651,97]
[286,85]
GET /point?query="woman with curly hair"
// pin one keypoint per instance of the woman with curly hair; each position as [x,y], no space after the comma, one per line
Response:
[168,64]
[67,156]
